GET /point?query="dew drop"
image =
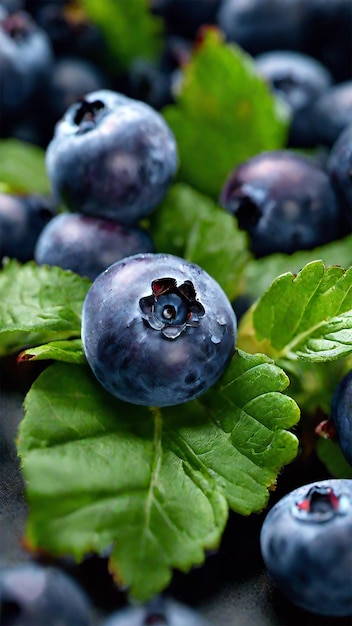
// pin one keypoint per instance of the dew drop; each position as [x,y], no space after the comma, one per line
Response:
[221,319]
[215,339]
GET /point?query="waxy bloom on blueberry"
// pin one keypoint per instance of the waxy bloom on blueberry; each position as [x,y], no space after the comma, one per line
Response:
[306,545]
[157,330]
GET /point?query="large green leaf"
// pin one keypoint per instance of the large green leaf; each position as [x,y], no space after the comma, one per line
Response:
[307,316]
[22,167]
[39,304]
[224,114]
[153,486]
[189,224]
[129,28]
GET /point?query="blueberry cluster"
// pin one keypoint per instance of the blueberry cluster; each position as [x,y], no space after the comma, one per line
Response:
[158,331]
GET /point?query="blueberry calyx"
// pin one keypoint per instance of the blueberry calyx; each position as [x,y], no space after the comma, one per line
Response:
[87,115]
[17,26]
[171,309]
[320,505]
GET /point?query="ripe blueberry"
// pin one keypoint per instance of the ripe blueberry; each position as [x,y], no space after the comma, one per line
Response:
[341,414]
[339,166]
[158,612]
[26,58]
[285,202]
[111,157]
[33,595]
[298,80]
[22,219]
[306,546]
[88,245]
[157,330]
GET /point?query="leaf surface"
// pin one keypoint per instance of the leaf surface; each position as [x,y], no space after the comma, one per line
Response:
[189,224]
[39,304]
[152,486]
[115,18]
[224,114]
[307,316]
[69,351]
[260,273]
[22,167]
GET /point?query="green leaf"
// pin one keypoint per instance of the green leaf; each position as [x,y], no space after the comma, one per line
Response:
[308,316]
[260,273]
[130,30]
[69,351]
[39,304]
[191,225]
[329,452]
[22,167]
[224,114]
[152,485]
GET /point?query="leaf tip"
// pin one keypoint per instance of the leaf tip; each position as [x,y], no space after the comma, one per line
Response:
[25,356]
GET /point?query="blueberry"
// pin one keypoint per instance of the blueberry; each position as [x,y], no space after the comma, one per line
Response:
[122,153]
[298,80]
[71,78]
[26,58]
[88,245]
[331,113]
[285,202]
[306,546]
[185,17]
[157,330]
[327,35]
[341,414]
[22,218]
[339,166]
[158,612]
[261,25]
[33,595]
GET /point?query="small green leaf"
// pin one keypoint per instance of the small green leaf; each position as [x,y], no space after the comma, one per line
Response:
[70,351]
[329,452]
[39,304]
[224,114]
[152,485]
[130,30]
[308,316]
[260,273]
[22,167]
[191,225]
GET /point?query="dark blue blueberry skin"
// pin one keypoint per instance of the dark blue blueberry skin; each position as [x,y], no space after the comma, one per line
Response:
[341,415]
[285,202]
[185,17]
[327,35]
[306,546]
[158,612]
[26,58]
[332,113]
[261,25]
[339,166]
[22,219]
[88,245]
[298,80]
[157,330]
[33,595]
[112,157]
[71,78]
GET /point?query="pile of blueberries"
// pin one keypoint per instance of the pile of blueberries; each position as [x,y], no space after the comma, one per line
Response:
[111,158]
